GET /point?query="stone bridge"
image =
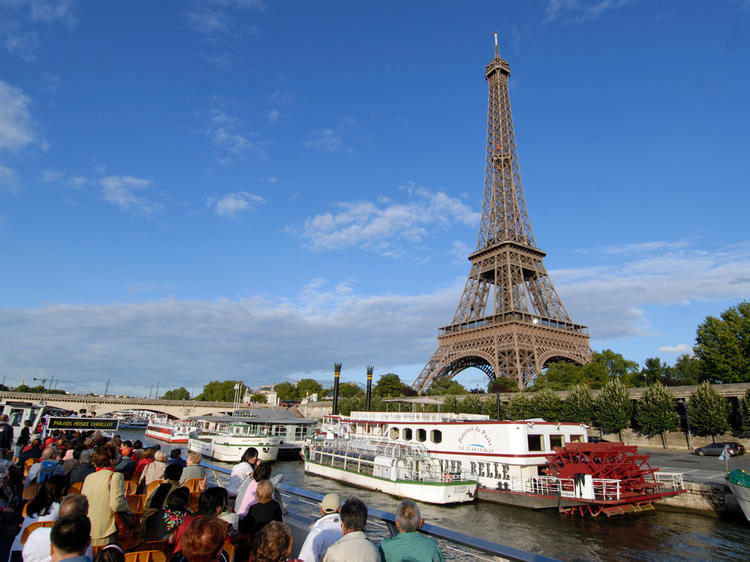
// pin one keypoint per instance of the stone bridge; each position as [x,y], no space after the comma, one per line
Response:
[178,409]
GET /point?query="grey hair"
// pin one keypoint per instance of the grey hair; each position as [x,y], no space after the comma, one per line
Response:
[408,516]
[74,503]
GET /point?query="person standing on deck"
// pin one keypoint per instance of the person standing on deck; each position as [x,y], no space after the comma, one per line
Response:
[6,437]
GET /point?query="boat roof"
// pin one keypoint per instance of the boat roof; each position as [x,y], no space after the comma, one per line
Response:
[260,415]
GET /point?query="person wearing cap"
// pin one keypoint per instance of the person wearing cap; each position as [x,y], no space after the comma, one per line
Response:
[323,532]
[409,544]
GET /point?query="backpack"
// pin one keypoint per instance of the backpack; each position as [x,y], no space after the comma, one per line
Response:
[49,468]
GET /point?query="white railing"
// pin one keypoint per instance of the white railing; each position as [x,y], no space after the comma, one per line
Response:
[670,480]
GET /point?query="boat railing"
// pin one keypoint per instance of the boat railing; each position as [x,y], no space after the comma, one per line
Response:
[673,481]
[603,488]
[458,545]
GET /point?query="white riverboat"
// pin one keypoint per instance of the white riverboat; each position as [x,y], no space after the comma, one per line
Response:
[164,429]
[405,470]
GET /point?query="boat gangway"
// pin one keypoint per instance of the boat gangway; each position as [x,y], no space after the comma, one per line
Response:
[302,509]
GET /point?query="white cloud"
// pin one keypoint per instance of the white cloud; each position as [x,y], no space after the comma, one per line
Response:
[281,98]
[272,180]
[460,251]
[232,204]
[52,176]
[575,11]
[17,18]
[679,348]
[611,297]
[56,176]
[16,124]
[377,226]
[120,191]
[8,179]
[273,115]
[178,342]
[210,22]
[233,146]
[327,140]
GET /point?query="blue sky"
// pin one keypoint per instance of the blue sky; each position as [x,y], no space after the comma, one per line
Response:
[192,191]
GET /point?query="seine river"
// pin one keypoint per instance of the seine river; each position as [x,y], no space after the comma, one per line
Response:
[655,535]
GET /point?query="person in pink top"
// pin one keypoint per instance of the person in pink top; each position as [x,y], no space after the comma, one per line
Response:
[243,503]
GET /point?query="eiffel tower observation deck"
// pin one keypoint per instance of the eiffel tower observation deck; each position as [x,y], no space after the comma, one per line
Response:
[510,320]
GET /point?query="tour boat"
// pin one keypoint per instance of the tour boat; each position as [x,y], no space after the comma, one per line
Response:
[531,463]
[20,411]
[405,470]
[739,482]
[168,430]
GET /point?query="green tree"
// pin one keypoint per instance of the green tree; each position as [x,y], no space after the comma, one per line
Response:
[688,370]
[489,407]
[470,405]
[218,391]
[579,406]
[546,404]
[350,389]
[519,407]
[559,375]
[450,404]
[655,412]
[388,386]
[723,345]
[286,391]
[709,412]
[613,408]
[653,372]
[177,394]
[258,398]
[745,412]
[501,384]
[308,387]
[446,386]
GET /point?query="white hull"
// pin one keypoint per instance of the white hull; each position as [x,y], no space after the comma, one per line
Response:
[428,492]
[168,432]
[230,448]
[743,497]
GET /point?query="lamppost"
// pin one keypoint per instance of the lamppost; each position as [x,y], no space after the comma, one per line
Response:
[687,421]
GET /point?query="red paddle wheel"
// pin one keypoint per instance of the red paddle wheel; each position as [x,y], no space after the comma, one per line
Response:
[638,488]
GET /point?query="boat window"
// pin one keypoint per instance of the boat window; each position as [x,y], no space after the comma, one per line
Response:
[406,434]
[575,438]
[394,433]
[421,435]
[535,443]
[436,436]
[556,441]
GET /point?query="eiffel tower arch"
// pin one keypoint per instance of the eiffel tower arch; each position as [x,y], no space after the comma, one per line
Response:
[510,320]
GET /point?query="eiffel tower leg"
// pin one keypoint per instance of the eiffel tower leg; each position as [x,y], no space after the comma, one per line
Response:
[428,374]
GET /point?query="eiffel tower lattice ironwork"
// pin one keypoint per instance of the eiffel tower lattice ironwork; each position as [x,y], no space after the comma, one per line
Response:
[510,320]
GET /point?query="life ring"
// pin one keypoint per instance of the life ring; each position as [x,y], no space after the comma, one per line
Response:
[447,477]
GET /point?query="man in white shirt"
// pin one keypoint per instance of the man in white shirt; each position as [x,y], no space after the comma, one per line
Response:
[323,532]
[353,546]
[37,544]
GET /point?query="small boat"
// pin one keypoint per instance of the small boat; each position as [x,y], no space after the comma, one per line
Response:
[398,469]
[231,442]
[168,430]
[739,482]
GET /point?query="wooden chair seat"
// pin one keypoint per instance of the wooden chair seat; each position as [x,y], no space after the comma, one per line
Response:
[145,556]
[137,503]
[27,465]
[153,486]
[229,549]
[29,492]
[131,487]
[33,527]
[195,484]
[75,488]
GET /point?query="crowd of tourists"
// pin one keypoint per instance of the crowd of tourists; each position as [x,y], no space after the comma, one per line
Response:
[84,496]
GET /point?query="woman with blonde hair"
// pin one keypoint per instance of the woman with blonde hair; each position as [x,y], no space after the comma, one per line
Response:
[154,470]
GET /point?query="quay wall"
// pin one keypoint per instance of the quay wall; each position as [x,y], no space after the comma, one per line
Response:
[708,498]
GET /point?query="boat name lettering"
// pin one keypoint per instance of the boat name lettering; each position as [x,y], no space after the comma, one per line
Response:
[473,435]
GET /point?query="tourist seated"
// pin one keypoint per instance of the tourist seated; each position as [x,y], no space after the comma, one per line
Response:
[11,505]
[36,548]
[146,458]
[126,449]
[263,512]
[44,507]
[137,450]
[155,470]
[242,470]
[110,553]
[273,543]
[31,451]
[84,468]
[175,457]
[72,460]
[193,468]
[41,471]
[353,545]
[151,524]
[323,532]
[126,465]
[203,541]
[70,538]
[176,511]
[246,494]
[409,544]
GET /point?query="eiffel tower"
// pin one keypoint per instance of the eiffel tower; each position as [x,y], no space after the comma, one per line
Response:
[510,320]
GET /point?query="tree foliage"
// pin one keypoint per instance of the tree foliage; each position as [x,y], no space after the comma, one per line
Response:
[745,411]
[349,390]
[579,406]
[613,408]
[708,411]
[655,411]
[723,345]
[501,384]
[286,391]
[177,394]
[258,398]
[308,387]
[519,407]
[218,391]
[546,404]
[443,385]
[388,386]
[688,370]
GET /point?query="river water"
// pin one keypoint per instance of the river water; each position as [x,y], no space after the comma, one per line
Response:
[655,535]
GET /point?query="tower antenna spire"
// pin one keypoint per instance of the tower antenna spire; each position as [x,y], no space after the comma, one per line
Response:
[497,52]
